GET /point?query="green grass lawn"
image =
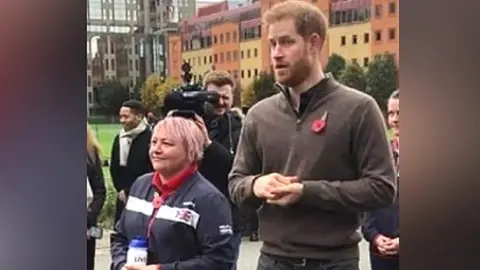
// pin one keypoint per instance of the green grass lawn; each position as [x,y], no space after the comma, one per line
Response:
[105,135]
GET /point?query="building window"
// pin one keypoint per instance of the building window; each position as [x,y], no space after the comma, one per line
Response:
[112,47]
[391,33]
[256,72]
[221,38]
[355,15]
[112,64]
[241,54]
[234,36]
[89,81]
[107,64]
[365,61]
[366,38]
[392,8]
[235,55]
[354,61]
[349,16]
[204,60]
[248,53]
[243,74]
[215,39]
[378,11]
[343,41]
[227,37]
[120,11]
[95,9]
[222,58]
[249,73]
[255,52]
[215,58]
[210,59]
[354,39]
[378,35]
[229,57]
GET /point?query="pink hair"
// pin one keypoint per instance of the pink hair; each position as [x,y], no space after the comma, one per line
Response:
[185,131]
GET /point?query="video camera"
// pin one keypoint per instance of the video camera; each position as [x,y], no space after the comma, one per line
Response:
[191,99]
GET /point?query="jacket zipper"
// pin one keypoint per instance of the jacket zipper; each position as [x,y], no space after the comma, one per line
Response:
[300,118]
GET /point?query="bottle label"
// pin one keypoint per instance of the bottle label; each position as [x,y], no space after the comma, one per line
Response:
[140,260]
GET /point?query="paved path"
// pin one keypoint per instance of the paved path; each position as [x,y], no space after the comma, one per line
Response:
[248,256]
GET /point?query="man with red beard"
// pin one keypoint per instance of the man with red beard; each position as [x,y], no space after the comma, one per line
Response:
[313,157]
[381,227]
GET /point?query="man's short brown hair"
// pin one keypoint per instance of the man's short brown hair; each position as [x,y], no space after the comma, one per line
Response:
[218,78]
[307,17]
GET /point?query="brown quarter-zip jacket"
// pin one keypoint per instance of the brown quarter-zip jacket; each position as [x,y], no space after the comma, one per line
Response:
[346,169]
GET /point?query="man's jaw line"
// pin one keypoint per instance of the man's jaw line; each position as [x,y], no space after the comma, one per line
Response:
[315,76]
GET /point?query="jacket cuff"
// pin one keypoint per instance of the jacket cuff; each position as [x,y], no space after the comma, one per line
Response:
[374,237]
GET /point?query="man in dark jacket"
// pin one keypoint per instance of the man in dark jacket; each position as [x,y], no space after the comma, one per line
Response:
[225,129]
[381,227]
[129,157]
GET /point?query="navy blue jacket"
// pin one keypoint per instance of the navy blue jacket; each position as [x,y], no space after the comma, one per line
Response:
[191,231]
[383,221]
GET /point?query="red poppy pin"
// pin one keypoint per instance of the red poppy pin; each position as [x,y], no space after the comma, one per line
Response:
[319,125]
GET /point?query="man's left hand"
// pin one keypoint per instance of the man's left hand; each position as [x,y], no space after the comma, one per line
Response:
[140,267]
[287,194]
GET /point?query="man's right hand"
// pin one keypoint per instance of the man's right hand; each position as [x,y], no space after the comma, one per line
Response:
[265,184]
[122,195]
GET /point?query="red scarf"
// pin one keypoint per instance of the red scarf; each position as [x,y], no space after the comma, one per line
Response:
[166,188]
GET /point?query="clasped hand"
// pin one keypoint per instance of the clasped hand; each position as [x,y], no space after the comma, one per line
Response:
[387,246]
[278,189]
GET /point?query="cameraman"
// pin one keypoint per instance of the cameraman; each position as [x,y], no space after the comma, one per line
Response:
[225,127]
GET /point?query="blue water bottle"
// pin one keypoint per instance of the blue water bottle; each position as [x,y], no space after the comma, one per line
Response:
[137,251]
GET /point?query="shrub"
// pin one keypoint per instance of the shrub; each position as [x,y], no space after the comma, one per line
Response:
[107,216]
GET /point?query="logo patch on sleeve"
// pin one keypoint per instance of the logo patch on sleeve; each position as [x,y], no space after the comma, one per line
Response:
[225,229]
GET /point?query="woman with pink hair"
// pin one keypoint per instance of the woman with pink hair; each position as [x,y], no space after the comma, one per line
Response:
[186,221]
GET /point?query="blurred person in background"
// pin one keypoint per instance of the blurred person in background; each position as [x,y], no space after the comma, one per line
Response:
[185,218]
[129,157]
[381,227]
[96,183]
[152,120]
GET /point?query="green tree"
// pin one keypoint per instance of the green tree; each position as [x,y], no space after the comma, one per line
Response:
[263,86]
[165,87]
[353,76]
[109,97]
[381,78]
[335,65]
[248,96]
[148,93]
[155,90]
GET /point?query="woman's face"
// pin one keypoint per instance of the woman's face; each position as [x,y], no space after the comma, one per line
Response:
[167,152]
